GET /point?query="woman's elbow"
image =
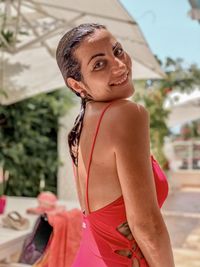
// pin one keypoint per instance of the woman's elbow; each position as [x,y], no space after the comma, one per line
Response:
[148,229]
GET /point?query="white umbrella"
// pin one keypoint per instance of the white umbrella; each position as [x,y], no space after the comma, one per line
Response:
[28,66]
[185,109]
[194,13]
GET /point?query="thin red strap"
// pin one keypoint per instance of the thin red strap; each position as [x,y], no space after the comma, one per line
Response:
[91,153]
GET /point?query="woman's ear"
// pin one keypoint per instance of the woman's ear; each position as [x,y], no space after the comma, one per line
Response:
[75,85]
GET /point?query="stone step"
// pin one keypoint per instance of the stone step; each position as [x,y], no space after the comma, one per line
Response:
[193,240]
[186,257]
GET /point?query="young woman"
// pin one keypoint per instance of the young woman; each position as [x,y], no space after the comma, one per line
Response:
[119,184]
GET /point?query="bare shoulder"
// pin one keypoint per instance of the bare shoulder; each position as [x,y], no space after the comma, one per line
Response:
[125,114]
[128,105]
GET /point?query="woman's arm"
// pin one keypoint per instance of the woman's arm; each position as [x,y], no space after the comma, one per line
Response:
[131,144]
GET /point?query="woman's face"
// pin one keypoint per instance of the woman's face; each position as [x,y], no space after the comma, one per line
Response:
[105,68]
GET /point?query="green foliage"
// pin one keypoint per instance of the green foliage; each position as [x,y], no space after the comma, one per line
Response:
[28,141]
[8,36]
[153,100]
[154,94]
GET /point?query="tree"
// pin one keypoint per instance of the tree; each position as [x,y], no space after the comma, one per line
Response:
[28,141]
[153,94]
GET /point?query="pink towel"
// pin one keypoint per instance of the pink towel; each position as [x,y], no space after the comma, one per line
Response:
[65,242]
[67,229]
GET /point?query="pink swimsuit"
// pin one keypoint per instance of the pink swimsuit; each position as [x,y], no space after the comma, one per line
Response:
[103,235]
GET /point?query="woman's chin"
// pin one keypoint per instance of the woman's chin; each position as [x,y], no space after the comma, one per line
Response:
[130,91]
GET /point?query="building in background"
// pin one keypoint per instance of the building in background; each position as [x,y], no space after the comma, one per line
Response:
[182,147]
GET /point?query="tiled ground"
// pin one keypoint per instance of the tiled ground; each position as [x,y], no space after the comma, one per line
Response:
[182,216]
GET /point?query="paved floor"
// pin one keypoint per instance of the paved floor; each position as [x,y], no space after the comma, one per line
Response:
[182,216]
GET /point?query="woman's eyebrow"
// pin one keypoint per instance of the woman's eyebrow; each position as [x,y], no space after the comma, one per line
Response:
[96,55]
[102,54]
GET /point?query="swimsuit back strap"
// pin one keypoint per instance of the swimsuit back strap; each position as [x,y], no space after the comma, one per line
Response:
[91,153]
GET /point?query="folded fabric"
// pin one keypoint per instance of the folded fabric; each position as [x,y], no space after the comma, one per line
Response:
[40,210]
[67,231]
[47,202]
[65,241]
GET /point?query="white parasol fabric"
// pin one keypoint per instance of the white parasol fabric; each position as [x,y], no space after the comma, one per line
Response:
[194,13]
[28,65]
[185,109]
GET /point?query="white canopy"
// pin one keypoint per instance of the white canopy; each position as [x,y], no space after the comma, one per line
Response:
[194,13]
[28,66]
[185,109]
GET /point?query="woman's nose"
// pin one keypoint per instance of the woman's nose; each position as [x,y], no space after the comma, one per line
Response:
[118,67]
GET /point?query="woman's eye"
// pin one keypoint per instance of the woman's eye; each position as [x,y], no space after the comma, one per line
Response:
[99,65]
[119,51]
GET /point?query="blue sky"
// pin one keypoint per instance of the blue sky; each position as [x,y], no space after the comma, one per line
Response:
[167,28]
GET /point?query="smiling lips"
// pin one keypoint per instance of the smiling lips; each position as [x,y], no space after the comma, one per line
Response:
[122,80]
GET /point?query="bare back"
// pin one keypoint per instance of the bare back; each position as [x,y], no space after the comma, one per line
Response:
[103,184]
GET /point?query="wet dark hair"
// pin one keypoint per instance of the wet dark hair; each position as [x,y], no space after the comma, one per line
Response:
[70,67]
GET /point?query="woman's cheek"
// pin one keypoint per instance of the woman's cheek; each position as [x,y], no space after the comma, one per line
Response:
[129,61]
